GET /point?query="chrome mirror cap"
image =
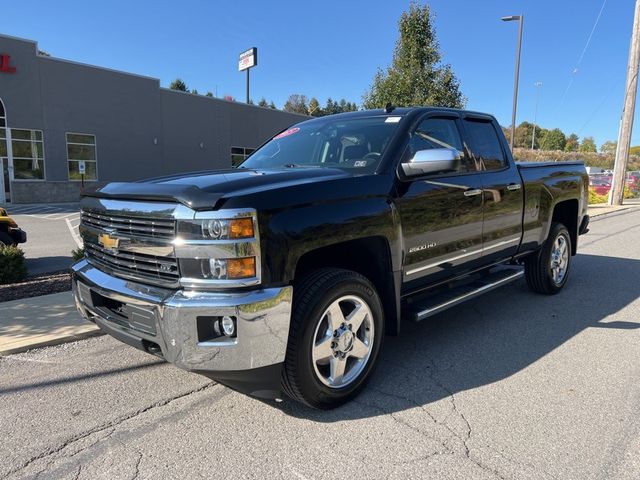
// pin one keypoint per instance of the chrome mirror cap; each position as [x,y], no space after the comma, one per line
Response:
[432,161]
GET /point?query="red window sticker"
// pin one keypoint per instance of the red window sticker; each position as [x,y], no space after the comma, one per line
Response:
[286,133]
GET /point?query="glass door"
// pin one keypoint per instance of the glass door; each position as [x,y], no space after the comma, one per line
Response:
[5,184]
[5,154]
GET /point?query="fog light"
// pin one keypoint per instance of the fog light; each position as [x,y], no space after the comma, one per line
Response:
[229,326]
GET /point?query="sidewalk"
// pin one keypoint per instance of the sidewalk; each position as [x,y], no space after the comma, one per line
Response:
[603,208]
[41,321]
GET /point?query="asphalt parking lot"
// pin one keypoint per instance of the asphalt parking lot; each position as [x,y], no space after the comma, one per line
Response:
[52,233]
[512,385]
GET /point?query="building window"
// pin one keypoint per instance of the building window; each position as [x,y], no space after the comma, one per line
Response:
[238,155]
[28,154]
[81,147]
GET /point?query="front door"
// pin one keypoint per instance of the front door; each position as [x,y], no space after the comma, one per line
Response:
[5,153]
[441,215]
[5,184]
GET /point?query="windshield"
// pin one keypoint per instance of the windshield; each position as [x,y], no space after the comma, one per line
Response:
[352,143]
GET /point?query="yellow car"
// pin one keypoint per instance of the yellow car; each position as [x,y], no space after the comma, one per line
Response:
[10,233]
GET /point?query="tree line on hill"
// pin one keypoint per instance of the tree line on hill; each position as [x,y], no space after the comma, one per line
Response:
[556,140]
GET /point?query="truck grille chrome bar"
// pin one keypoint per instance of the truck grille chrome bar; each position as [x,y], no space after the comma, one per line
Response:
[127,225]
[158,270]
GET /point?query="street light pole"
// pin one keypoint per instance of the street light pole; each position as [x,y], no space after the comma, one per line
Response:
[535,113]
[520,19]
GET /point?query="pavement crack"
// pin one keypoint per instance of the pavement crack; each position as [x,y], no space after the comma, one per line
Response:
[137,466]
[99,428]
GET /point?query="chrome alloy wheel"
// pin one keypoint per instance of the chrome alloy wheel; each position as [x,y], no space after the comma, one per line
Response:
[559,259]
[343,341]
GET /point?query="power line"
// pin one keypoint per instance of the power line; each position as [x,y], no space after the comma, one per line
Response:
[584,51]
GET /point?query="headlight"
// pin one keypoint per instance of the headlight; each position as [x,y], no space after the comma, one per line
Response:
[219,249]
[218,268]
[216,229]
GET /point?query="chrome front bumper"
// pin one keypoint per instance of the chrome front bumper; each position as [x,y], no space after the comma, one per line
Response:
[169,322]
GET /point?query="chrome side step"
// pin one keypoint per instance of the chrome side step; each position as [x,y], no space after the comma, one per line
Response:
[430,306]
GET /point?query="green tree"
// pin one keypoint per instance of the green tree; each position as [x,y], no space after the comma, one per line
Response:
[272,105]
[296,103]
[209,94]
[314,107]
[179,85]
[330,107]
[554,140]
[588,145]
[263,102]
[416,75]
[524,133]
[194,91]
[609,147]
[573,143]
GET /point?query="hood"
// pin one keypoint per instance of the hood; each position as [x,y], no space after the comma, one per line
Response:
[204,190]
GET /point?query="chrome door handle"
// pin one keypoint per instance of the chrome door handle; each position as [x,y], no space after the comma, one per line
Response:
[472,192]
[513,186]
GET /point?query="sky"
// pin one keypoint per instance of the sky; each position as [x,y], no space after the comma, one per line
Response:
[333,49]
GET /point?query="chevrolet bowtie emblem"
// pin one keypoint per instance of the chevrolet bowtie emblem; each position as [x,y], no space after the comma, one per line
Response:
[108,242]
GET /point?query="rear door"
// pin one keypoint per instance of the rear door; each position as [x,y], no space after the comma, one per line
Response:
[502,188]
[441,214]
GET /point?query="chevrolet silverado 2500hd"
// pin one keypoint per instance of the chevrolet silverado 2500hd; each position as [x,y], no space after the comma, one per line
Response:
[285,274]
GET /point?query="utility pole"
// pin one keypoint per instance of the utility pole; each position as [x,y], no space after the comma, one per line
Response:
[535,113]
[626,122]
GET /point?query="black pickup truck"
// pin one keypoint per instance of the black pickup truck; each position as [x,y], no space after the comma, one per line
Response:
[283,276]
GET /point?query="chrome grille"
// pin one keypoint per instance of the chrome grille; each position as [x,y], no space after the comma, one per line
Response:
[136,266]
[128,225]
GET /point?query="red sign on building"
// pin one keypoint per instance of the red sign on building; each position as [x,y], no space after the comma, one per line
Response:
[4,64]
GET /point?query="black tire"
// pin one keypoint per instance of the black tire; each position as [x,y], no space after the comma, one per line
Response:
[537,268]
[312,297]
[6,240]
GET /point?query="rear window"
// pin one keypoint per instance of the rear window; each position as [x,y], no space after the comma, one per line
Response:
[485,144]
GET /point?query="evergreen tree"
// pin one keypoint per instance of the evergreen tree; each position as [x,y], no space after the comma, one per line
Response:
[416,75]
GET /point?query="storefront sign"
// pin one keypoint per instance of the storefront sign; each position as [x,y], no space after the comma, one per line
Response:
[248,59]
[4,64]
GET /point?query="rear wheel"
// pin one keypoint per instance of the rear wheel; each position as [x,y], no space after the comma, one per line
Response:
[335,337]
[547,271]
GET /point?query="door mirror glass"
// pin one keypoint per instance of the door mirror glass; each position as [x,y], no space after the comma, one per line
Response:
[435,160]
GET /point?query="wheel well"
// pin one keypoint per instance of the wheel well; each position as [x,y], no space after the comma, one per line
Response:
[567,213]
[369,257]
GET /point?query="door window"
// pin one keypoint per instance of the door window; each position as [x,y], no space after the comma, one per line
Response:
[437,132]
[485,144]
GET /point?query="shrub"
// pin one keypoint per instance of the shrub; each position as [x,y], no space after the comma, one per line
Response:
[596,198]
[12,265]
[77,254]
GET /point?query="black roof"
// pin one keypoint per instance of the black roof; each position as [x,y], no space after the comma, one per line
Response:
[399,112]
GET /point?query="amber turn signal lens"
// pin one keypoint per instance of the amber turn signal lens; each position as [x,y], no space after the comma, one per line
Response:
[241,228]
[241,267]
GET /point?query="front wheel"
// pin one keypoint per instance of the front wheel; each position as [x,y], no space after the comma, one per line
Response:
[335,337]
[547,271]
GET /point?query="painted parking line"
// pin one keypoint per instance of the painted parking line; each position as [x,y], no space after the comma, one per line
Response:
[74,233]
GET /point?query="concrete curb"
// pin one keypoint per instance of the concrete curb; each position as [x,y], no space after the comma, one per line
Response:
[599,209]
[50,342]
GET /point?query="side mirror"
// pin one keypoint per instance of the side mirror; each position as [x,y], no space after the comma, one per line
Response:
[432,161]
